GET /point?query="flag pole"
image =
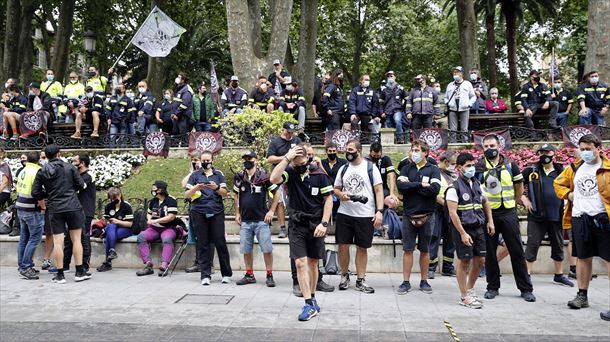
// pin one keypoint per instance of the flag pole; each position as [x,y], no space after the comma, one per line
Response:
[129,43]
[553,71]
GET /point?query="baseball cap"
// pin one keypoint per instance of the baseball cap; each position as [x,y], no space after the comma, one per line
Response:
[288,80]
[276,61]
[391,72]
[35,85]
[534,72]
[458,68]
[160,185]
[250,154]
[234,78]
[288,126]
[546,147]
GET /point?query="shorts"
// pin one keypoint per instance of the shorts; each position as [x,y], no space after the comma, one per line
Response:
[303,243]
[261,230]
[89,115]
[423,235]
[589,240]
[47,224]
[354,230]
[478,248]
[70,219]
[535,233]
[283,195]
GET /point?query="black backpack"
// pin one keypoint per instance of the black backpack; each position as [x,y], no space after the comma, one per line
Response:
[139,221]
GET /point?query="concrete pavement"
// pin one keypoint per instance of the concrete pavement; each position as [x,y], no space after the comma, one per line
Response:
[118,306]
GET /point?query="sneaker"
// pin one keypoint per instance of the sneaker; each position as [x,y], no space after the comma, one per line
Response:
[226,280]
[448,272]
[572,275]
[425,287]
[59,279]
[35,270]
[270,282]
[112,254]
[563,280]
[344,284]
[193,269]
[315,304]
[54,269]
[362,286]
[147,270]
[579,302]
[324,287]
[46,264]
[431,274]
[29,274]
[470,302]
[283,233]
[404,288]
[528,297]
[296,290]
[308,313]
[605,315]
[247,279]
[474,296]
[163,272]
[81,276]
[491,294]
[205,281]
[106,266]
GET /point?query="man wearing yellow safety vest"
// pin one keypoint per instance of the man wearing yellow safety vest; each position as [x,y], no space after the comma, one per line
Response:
[502,184]
[31,217]
[73,92]
[54,88]
[96,81]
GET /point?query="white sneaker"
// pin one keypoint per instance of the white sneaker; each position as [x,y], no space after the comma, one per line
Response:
[205,281]
[474,296]
[226,280]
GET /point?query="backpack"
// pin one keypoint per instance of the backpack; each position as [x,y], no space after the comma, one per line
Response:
[369,170]
[139,221]
[394,224]
[6,218]
[331,265]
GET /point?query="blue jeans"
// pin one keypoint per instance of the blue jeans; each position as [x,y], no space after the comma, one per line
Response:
[562,119]
[396,121]
[593,117]
[226,111]
[32,225]
[116,129]
[263,236]
[114,234]
[203,127]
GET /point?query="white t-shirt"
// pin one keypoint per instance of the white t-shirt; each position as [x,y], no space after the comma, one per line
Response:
[587,199]
[452,193]
[37,105]
[356,182]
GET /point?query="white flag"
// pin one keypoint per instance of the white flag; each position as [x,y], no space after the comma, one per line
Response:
[158,35]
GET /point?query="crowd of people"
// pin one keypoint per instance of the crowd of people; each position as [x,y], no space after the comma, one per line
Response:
[470,204]
[423,104]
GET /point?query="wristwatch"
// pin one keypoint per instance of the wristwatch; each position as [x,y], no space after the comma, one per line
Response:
[324,224]
[379,211]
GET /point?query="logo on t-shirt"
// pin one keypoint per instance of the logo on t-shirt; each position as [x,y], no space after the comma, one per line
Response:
[587,186]
[353,184]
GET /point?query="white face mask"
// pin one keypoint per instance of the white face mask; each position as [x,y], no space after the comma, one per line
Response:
[289,87]
[457,78]
[451,168]
[89,95]
[263,87]
[142,90]
[473,77]
[366,84]
[595,79]
[437,89]
[178,80]
[6,85]
[167,97]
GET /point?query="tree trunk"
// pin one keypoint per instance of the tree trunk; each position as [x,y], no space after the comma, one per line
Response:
[11,37]
[288,61]
[308,37]
[63,37]
[467,24]
[511,44]
[26,45]
[155,76]
[254,11]
[243,37]
[46,40]
[598,38]
[360,25]
[492,69]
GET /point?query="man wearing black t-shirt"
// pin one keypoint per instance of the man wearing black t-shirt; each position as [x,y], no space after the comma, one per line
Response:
[310,189]
[386,168]
[331,165]
[275,153]
[87,200]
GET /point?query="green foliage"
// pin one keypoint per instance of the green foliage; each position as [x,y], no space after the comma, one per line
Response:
[169,170]
[254,128]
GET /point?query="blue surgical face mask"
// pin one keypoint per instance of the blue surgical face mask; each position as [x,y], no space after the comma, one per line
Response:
[416,157]
[457,78]
[469,172]
[557,85]
[594,80]
[587,156]
[50,78]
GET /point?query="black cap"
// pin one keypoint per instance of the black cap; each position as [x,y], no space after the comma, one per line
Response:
[35,85]
[88,88]
[288,126]
[534,72]
[160,185]
[547,147]
[250,154]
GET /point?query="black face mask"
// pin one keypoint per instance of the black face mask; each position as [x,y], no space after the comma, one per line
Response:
[332,156]
[536,78]
[248,164]
[546,159]
[417,84]
[23,162]
[309,160]
[351,156]
[91,73]
[301,169]
[206,165]
[234,84]
[116,201]
[195,166]
[204,92]
[491,153]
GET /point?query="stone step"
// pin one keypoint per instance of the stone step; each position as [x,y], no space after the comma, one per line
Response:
[381,255]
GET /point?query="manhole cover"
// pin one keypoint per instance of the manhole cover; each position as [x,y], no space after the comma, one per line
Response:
[204,299]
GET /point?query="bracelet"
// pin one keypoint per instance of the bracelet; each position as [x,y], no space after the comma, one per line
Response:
[287,160]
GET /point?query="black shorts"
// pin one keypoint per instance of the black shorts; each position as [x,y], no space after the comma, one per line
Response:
[354,230]
[588,240]
[535,233]
[423,235]
[478,248]
[47,224]
[302,242]
[70,219]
